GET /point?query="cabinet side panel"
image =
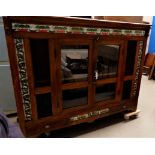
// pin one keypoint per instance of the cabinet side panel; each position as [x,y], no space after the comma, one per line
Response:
[23,78]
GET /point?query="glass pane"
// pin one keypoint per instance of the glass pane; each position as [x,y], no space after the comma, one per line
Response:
[40,62]
[74,63]
[74,97]
[105,92]
[126,89]
[130,58]
[107,61]
[44,105]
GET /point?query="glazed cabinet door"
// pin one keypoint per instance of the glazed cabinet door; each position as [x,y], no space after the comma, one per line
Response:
[74,73]
[108,62]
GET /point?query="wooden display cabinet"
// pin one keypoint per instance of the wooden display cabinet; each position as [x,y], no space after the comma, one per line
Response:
[69,70]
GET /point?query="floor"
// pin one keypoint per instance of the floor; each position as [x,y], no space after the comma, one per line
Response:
[143,126]
[115,126]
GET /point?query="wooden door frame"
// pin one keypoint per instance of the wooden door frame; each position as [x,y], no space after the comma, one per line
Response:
[120,73]
[74,85]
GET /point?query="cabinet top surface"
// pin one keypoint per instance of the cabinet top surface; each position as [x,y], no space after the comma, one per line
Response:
[74,21]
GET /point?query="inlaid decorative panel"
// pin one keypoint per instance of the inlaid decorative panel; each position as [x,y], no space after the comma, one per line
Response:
[139,60]
[90,114]
[75,30]
[23,78]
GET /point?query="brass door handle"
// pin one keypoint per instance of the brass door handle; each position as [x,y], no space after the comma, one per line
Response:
[97,38]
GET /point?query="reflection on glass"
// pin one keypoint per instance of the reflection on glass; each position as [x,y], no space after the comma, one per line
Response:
[130,58]
[74,97]
[107,61]
[74,63]
[126,90]
[40,62]
[105,92]
[44,105]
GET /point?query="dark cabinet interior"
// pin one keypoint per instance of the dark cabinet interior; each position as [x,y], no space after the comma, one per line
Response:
[130,58]
[75,97]
[107,61]
[40,62]
[44,105]
[105,92]
[74,63]
[71,70]
[126,89]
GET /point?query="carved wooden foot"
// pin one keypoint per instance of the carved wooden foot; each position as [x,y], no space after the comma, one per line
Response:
[131,114]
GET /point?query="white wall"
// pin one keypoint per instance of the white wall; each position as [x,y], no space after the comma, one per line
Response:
[148,19]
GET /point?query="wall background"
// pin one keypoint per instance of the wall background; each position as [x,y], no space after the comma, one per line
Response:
[7,100]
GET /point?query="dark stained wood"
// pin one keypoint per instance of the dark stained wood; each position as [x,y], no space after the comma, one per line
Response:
[141,68]
[149,59]
[62,117]
[52,74]
[135,98]
[74,85]
[45,35]
[90,76]
[43,90]
[121,70]
[15,74]
[105,81]
[152,71]
[148,65]
[58,81]
[119,78]
[75,41]
[76,22]
[131,77]
[63,120]
[30,75]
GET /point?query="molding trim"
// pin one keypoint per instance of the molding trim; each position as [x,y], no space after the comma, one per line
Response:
[139,60]
[75,30]
[88,115]
[23,78]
